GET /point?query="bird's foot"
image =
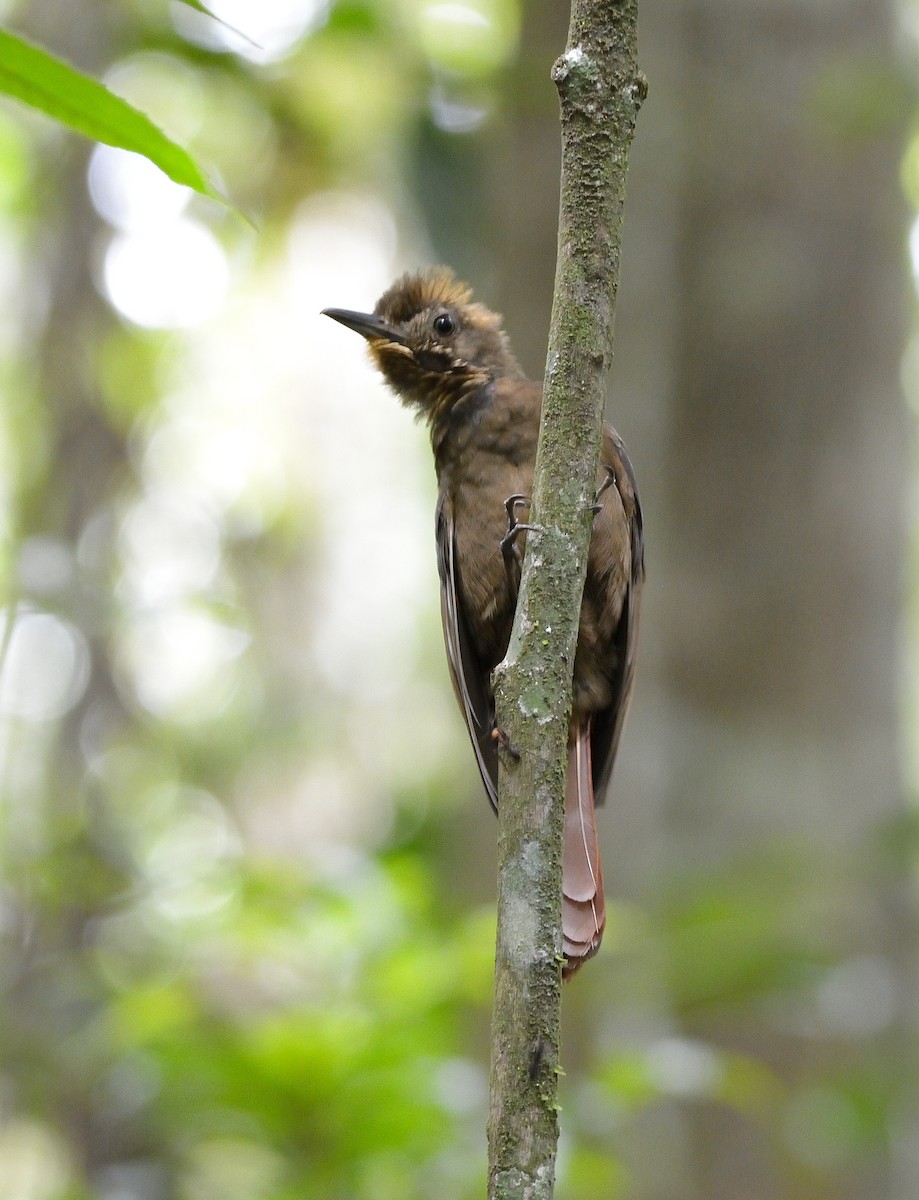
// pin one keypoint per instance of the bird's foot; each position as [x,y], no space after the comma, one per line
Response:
[509,549]
[503,742]
[608,482]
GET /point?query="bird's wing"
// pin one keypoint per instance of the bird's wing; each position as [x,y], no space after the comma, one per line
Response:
[470,679]
[607,724]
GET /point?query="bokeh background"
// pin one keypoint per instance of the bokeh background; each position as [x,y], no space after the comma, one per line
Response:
[246,868]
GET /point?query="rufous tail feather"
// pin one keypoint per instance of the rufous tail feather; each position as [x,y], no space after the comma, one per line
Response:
[583,905]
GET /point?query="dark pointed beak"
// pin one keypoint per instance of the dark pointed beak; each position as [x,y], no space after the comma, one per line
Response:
[366,324]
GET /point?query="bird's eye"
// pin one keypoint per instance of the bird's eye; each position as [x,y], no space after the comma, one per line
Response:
[444,324]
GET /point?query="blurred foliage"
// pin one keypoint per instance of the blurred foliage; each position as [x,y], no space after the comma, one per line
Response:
[29,74]
[233,962]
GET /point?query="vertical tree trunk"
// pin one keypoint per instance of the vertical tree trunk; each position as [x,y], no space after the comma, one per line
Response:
[600,92]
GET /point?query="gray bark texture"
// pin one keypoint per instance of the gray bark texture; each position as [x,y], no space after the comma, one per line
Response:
[600,91]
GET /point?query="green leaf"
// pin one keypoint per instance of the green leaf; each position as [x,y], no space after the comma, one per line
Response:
[57,89]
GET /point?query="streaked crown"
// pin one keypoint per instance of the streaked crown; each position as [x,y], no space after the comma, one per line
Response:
[432,342]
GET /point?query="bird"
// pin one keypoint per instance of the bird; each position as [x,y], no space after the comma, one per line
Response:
[448,357]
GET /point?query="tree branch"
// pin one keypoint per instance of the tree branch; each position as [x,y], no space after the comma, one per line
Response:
[600,91]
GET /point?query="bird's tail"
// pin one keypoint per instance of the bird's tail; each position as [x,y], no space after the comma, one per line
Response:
[583,905]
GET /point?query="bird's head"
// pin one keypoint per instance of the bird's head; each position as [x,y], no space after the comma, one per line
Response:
[431,341]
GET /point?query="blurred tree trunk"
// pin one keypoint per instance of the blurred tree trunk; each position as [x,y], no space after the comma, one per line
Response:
[786,477]
[787,460]
[780,544]
[75,869]
[525,187]
[756,382]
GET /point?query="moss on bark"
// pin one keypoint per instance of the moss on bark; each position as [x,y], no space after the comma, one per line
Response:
[600,92]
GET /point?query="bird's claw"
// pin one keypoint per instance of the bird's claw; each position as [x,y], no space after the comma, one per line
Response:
[503,742]
[608,482]
[510,551]
[514,527]
[511,504]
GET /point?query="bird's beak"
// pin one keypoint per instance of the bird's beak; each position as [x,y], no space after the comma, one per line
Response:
[366,324]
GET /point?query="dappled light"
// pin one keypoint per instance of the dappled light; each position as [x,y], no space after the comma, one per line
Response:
[131,193]
[45,666]
[169,277]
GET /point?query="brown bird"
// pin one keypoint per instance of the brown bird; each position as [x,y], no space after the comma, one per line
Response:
[448,358]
